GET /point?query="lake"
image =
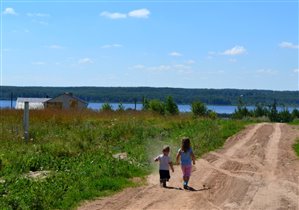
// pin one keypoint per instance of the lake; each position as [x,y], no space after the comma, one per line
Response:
[182,108]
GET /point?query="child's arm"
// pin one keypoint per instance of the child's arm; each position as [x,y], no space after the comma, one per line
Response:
[157,158]
[193,158]
[171,166]
[178,157]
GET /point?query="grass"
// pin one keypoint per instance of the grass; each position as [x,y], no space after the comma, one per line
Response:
[296,147]
[76,149]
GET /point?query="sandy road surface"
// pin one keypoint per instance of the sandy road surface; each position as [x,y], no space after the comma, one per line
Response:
[256,169]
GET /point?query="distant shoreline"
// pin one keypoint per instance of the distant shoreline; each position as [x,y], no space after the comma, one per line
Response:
[180,95]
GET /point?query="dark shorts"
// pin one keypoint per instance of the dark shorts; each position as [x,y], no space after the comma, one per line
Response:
[164,175]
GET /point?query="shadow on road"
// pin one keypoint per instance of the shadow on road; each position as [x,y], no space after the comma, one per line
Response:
[189,188]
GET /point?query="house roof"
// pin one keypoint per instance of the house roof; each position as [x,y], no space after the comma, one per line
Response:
[32,100]
[70,95]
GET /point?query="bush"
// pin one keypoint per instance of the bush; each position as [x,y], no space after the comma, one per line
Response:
[285,116]
[157,106]
[295,113]
[106,107]
[120,107]
[145,104]
[171,107]
[260,111]
[198,108]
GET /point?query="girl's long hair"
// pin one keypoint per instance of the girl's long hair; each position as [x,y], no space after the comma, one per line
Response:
[185,144]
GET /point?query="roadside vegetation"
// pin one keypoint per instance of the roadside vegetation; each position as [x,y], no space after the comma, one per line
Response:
[296,147]
[74,156]
[265,113]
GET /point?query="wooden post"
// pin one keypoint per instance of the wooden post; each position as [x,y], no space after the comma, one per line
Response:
[135,104]
[11,97]
[26,121]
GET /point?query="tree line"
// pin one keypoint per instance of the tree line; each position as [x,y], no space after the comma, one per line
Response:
[136,94]
[199,109]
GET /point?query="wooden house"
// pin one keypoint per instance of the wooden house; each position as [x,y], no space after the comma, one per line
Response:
[66,101]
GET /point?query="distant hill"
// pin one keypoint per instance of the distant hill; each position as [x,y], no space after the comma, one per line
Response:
[181,95]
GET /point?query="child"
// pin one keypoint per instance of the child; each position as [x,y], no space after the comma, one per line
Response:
[165,162]
[185,154]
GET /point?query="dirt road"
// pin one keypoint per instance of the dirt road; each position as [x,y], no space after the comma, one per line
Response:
[256,169]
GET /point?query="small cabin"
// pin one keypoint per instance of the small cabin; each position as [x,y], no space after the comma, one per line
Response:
[34,103]
[66,101]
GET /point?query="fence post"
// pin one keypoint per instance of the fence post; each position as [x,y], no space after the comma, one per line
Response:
[26,121]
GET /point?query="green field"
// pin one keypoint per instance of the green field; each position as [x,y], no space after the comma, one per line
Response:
[74,152]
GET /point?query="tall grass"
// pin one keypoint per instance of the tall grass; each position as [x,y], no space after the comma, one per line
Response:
[76,150]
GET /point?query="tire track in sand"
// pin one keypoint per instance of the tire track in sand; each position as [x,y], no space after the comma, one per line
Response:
[268,192]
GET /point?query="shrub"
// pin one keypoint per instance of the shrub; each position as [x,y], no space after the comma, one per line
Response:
[157,106]
[285,116]
[120,107]
[171,107]
[199,108]
[295,113]
[106,107]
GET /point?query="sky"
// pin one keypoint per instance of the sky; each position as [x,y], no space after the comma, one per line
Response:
[186,44]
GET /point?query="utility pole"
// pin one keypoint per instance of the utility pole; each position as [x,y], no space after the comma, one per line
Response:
[11,97]
[26,121]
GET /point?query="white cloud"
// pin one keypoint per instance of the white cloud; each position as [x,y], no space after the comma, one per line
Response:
[114,15]
[236,50]
[232,60]
[55,46]
[9,11]
[38,63]
[40,22]
[139,66]
[296,70]
[289,45]
[38,15]
[266,71]
[175,54]
[85,61]
[140,13]
[190,62]
[173,68]
[112,46]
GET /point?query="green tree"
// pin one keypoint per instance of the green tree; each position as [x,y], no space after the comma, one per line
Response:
[273,114]
[157,106]
[199,108]
[285,116]
[241,110]
[260,110]
[171,107]
[106,107]
[120,107]
[295,113]
[145,104]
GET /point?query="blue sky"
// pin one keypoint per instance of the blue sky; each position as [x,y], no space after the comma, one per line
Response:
[193,44]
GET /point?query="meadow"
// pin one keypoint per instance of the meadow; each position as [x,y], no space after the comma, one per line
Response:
[69,157]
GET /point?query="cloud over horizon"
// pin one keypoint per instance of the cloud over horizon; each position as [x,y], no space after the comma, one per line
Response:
[9,11]
[139,13]
[85,61]
[288,45]
[236,50]
[175,54]
[111,46]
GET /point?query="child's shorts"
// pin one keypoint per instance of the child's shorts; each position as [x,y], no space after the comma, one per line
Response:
[164,175]
[186,169]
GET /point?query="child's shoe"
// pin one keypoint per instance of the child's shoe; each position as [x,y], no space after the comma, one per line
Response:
[164,183]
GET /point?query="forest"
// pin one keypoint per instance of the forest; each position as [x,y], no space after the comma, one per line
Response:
[180,95]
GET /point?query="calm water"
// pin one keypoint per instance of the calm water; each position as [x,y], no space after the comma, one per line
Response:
[183,108]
